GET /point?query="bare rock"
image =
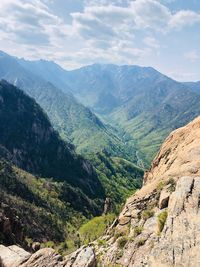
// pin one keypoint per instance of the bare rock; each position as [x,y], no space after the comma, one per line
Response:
[164,198]
[84,257]
[13,256]
[45,257]
[179,244]
[36,246]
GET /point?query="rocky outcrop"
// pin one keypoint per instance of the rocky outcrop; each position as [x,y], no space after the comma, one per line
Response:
[160,225]
[14,256]
[84,257]
[179,244]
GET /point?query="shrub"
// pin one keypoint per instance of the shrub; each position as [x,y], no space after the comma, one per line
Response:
[160,186]
[141,242]
[95,228]
[162,217]
[120,233]
[101,242]
[121,242]
[146,214]
[138,230]
[172,184]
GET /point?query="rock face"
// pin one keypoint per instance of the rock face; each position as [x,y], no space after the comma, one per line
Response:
[14,256]
[160,225]
[84,257]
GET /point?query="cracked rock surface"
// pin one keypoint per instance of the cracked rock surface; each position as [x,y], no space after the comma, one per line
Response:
[160,224]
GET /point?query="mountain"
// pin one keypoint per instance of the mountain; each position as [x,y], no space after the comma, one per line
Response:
[159,224]
[47,191]
[194,86]
[145,104]
[119,177]
[74,122]
[34,146]
[36,209]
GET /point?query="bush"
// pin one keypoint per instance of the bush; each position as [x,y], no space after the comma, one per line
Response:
[120,233]
[138,230]
[141,242]
[101,242]
[162,217]
[160,186]
[172,184]
[95,228]
[146,214]
[121,242]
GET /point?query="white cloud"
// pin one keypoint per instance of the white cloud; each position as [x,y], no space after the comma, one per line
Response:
[151,42]
[184,18]
[104,30]
[192,56]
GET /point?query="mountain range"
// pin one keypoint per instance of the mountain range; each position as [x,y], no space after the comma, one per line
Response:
[47,189]
[74,122]
[140,101]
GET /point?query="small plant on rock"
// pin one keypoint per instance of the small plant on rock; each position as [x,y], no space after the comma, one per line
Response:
[138,230]
[146,214]
[121,242]
[141,242]
[162,217]
[172,184]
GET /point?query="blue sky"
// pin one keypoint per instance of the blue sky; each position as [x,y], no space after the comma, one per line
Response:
[164,34]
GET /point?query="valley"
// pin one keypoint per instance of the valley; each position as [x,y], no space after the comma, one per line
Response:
[74,146]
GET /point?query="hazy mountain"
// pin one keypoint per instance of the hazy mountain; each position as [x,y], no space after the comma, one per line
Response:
[143,104]
[146,104]
[72,120]
[194,86]
[142,101]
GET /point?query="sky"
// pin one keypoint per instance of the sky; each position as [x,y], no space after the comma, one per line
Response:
[164,34]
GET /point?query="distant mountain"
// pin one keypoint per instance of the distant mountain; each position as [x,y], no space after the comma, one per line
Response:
[143,104]
[74,122]
[33,145]
[194,86]
[146,104]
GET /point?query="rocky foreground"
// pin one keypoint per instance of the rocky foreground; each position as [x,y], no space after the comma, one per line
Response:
[158,227]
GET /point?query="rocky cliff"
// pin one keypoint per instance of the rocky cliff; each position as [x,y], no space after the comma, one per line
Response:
[159,226]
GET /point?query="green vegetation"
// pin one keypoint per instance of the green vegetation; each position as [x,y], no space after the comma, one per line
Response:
[121,242]
[101,242]
[141,242]
[138,230]
[38,206]
[119,177]
[95,228]
[146,214]
[33,145]
[172,184]
[162,217]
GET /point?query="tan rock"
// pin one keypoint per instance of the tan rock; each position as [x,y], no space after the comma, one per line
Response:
[46,257]
[178,244]
[13,256]
[164,198]
[84,257]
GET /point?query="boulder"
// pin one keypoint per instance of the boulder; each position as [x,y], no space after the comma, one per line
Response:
[13,256]
[46,257]
[164,198]
[84,257]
